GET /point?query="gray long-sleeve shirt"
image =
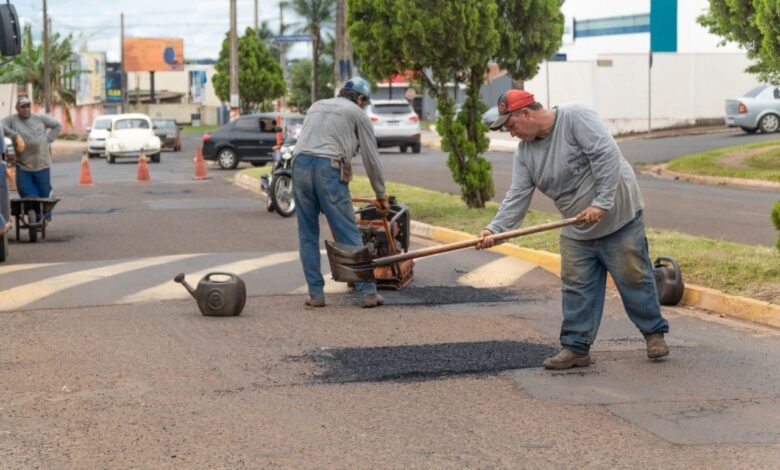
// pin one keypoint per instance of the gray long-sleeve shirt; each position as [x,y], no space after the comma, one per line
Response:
[38,131]
[578,164]
[336,128]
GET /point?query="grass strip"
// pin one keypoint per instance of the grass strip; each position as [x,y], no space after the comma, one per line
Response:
[734,268]
[763,166]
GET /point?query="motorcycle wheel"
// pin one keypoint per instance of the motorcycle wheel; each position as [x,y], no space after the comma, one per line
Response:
[282,195]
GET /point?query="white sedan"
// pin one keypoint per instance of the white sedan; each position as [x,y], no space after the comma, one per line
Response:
[129,135]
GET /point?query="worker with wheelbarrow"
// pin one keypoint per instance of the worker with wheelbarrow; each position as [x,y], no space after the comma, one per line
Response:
[32,135]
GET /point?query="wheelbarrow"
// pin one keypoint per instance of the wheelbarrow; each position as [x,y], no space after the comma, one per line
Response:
[30,213]
[348,264]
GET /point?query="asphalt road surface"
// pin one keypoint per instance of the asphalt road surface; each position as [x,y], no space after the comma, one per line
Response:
[718,212]
[106,363]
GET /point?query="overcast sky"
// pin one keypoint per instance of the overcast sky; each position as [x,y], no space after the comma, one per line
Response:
[201,23]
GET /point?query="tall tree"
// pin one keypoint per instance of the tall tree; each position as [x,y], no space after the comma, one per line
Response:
[259,75]
[300,83]
[443,43]
[752,24]
[317,15]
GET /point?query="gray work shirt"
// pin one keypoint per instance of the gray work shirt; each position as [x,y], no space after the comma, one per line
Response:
[38,132]
[336,128]
[578,164]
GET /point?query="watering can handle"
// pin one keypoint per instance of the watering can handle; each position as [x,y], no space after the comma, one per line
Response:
[220,273]
[670,261]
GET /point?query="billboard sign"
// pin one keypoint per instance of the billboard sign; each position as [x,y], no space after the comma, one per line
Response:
[293,38]
[91,76]
[113,82]
[198,82]
[153,54]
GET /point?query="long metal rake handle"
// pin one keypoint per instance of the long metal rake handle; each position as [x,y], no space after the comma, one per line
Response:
[435,250]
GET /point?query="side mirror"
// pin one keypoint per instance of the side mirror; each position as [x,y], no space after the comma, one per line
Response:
[88,129]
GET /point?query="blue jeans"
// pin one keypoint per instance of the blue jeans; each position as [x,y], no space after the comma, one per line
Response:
[316,189]
[34,184]
[584,267]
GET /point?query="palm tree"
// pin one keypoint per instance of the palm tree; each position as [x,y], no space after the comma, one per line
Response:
[63,66]
[317,15]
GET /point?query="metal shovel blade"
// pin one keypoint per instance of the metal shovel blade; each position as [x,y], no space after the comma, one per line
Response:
[349,263]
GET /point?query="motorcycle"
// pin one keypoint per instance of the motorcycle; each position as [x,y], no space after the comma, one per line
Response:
[278,187]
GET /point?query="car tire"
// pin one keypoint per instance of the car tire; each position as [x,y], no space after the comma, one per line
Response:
[92,155]
[155,158]
[109,158]
[749,130]
[769,123]
[403,148]
[3,247]
[227,159]
[416,148]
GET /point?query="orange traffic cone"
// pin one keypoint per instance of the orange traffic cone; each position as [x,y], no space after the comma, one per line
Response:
[143,168]
[279,136]
[200,166]
[85,178]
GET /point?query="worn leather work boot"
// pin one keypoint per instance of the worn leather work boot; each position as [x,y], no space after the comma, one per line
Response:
[566,359]
[312,302]
[372,301]
[656,346]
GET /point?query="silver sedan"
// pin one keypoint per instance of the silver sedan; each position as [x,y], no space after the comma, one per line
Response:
[758,109]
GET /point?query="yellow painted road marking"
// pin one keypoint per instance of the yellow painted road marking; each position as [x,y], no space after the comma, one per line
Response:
[171,290]
[19,296]
[502,272]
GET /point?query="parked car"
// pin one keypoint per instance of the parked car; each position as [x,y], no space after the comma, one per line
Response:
[758,109]
[250,138]
[168,132]
[490,115]
[96,137]
[395,124]
[128,134]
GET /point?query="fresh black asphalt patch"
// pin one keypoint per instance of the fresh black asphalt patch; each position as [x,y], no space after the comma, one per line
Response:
[427,361]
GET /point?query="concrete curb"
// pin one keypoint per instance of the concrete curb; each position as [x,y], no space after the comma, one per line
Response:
[713,300]
[694,296]
[664,172]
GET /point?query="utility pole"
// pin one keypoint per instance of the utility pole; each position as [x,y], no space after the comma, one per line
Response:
[29,59]
[122,74]
[46,71]
[343,46]
[282,47]
[257,24]
[234,98]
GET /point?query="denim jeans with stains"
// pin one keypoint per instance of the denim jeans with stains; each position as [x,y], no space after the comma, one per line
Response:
[316,188]
[584,268]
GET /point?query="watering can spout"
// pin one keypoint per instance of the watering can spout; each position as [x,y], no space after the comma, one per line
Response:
[180,279]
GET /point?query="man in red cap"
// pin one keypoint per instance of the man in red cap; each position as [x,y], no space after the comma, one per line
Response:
[569,155]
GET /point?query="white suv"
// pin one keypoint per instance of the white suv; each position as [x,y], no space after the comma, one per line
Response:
[96,140]
[395,124]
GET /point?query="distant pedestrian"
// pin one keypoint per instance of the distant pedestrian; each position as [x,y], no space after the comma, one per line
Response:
[334,130]
[569,155]
[32,135]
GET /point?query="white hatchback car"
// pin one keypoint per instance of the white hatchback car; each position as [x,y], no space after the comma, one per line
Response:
[128,134]
[395,124]
[96,139]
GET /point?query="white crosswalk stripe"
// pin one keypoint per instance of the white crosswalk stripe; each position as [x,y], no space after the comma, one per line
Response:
[171,290]
[19,296]
[91,283]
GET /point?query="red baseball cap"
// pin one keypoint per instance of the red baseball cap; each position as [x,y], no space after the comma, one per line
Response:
[510,101]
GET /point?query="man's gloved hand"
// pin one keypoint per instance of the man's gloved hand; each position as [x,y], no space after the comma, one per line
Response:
[382,207]
[19,145]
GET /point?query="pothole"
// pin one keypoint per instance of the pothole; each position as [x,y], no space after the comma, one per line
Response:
[427,361]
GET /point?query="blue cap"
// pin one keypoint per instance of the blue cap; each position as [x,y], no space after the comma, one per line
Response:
[360,85]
